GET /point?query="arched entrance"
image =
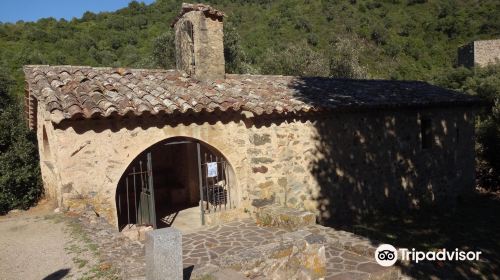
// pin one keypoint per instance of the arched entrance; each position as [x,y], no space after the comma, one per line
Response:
[175,175]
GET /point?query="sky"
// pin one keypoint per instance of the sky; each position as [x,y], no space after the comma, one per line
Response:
[32,10]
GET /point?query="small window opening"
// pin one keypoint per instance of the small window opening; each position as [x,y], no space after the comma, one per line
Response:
[188,28]
[426,131]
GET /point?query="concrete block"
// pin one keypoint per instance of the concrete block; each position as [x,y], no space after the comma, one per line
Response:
[164,254]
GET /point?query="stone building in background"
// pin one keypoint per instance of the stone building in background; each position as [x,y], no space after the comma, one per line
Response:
[145,146]
[480,53]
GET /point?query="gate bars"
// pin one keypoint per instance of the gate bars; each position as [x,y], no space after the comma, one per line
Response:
[215,192]
[215,189]
[144,205]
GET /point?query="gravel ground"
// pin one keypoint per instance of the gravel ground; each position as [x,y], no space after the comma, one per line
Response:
[38,244]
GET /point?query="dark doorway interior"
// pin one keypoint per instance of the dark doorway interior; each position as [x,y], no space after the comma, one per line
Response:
[176,183]
[175,173]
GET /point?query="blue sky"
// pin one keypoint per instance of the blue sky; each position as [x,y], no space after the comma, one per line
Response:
[32,10]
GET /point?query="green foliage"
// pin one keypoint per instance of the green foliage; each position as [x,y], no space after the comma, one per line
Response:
[234,55]
[301,59]
[344,60]
[164,50]
[399,39]
[295,59]
[5,85]
[20,184]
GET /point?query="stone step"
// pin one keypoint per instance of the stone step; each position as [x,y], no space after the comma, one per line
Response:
[283,217]
[345,240]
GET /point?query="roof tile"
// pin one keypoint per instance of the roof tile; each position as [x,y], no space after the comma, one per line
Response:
[75,92]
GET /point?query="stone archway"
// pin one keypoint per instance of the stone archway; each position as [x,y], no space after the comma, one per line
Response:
[176,177]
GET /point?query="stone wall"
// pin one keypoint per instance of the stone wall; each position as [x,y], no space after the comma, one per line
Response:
[94,154]
[48,161]
[206,47]
[339,166]
[479,53]
[486,52]
[346,166]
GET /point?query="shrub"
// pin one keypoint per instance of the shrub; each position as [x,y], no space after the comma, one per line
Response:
[235,57]
[296,60]
[164,51]
[20,183]
[344,59]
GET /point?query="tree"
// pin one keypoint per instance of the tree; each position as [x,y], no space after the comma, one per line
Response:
[344,59]
[20,183]
[234,56]
[164,51]
[5,84]
[296,60]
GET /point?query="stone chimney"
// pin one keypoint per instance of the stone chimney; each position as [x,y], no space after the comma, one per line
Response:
[199,47]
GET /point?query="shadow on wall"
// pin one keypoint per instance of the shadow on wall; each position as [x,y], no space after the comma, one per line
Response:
[384,160]
[147,120]
[406,177]
[381,162]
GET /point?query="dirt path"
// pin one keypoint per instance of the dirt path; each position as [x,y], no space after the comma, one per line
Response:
[37,244]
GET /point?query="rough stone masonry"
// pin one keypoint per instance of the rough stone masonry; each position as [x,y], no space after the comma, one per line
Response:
[338,148]
[480,53]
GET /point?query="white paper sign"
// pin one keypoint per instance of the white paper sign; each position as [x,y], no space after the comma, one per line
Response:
[211,169]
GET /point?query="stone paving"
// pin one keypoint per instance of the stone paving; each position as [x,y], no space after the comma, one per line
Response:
[348,256]
[204,247]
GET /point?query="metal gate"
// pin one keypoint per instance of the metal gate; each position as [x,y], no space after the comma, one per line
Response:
[214,188]
[215,191]
[139,192]
[139,197]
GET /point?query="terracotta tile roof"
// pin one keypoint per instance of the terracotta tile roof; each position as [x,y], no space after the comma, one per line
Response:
[79,92]
[206,9]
